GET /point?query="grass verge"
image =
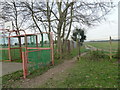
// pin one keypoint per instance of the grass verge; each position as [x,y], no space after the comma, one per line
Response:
[88,72]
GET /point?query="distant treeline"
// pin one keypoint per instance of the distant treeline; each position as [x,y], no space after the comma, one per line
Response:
[104,40]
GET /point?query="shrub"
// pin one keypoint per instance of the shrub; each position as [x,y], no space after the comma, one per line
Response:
[97,55]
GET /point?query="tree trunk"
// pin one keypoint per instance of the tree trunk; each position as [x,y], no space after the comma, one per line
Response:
[59,51]
[70,22]
[48,18]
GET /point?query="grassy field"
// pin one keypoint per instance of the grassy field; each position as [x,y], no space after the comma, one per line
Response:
[89,72]
[104,45]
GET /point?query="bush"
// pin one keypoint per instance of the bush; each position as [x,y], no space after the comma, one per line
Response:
[97,55]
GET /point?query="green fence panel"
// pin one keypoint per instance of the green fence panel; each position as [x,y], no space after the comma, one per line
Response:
[37,59]
[15,54]
[4,55]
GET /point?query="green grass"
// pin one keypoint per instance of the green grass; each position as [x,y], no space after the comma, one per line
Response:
[88,72]
[10,79]
[104,45]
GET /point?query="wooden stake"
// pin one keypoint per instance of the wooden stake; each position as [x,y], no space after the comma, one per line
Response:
[110,48]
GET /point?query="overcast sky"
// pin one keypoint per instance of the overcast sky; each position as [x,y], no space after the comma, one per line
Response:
[106,28]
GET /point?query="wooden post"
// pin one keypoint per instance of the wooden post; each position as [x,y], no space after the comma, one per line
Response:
[36,41]
[78,46]
[110,48]
[9,49]
[68,42]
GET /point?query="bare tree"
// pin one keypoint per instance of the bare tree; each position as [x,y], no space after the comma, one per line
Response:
[11,11]
[61,17]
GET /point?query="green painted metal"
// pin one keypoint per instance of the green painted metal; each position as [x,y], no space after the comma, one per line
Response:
[44,56]
[15,54]
[4,54]
[37,59]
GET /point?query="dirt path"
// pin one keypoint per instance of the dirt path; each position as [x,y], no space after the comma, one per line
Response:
[53,72]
